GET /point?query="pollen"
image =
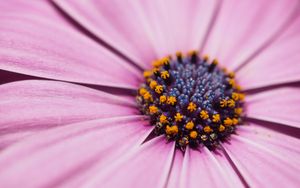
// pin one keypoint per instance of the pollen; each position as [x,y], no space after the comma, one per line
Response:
[191,100]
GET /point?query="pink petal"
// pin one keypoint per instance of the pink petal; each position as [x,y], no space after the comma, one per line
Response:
[149,30]
[52,49]
[277,105]
[34,105]
[264,157]
[279,62]
[174,178]
[204,168]
[56,156]
[244,28]
[146,166]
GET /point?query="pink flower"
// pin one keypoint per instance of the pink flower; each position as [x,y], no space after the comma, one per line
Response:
[68,116]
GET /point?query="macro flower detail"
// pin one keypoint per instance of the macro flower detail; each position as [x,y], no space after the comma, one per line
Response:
[97,93]
[196,89]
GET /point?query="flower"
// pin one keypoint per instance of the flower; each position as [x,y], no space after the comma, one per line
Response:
[68,117]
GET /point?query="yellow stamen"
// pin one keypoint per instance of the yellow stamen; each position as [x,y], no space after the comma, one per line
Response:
[223,103]
[216,118]
[190,125]
[142,91]
[235,121]
[156,63]
[178,54]
[147,74]
[231,75]
[204,114]
[235,96]
[163,119]
[178,117]
[171,130]
[228,122]
[241,96]
[207,129]
[153,109]
[159,89]
[192,52]
[215,62]
[231,82]
[155,71]
[238,111]
[193,134]
[166,60]
[147,96]
[164,74]
[205,58]
[153,84]
[221,128]
[171,100]
[162,99]
[231,103]
[192,107]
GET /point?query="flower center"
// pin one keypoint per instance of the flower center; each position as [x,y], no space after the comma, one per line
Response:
[191,100]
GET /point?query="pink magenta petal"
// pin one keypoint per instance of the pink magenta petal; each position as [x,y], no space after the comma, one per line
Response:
[33,105]
[278,64]
[52,49]
[277,105]
[203,168]
[174,178]
[58,155]
[144,30]
[243,27]
[146,166]
[265,158]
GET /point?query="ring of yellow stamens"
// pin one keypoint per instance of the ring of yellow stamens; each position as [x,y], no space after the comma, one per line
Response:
[174,90]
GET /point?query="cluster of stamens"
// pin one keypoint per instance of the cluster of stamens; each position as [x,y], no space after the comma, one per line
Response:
[191,100]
